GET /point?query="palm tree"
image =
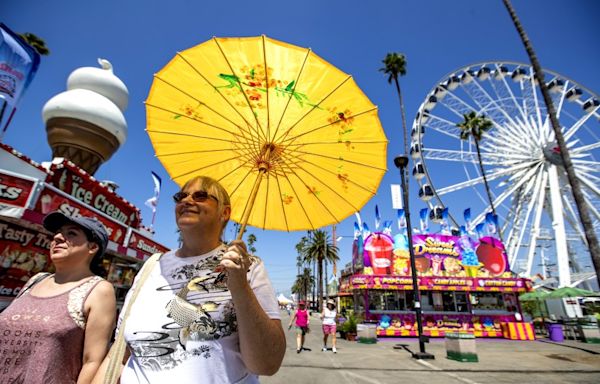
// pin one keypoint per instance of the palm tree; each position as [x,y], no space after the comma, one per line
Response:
[582,209]
[36,43]
[395,65]
[299,247]
[303,284]
[318,248]
[475,126]
[251,239]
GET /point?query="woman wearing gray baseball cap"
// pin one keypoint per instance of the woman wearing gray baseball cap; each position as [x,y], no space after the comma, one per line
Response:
[60,324]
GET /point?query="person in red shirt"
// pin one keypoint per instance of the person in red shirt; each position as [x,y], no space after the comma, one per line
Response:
[302,325]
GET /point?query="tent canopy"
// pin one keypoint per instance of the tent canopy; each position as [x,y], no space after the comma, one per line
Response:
[570,292]
[533,295]
[283,300]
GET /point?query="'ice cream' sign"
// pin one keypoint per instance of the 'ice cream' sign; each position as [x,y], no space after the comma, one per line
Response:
[82,187]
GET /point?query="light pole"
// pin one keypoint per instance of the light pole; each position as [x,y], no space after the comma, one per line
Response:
[401,162]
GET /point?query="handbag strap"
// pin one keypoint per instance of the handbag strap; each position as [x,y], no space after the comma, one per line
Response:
[32,282]
[117,350]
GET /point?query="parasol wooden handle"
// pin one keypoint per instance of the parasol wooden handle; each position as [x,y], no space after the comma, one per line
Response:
[262,169]
[251,200]
[247,211]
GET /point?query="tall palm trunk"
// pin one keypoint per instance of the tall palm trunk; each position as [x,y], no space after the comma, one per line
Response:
[404,130]
[314,277]
[320,283]
[582,209]
[485,182]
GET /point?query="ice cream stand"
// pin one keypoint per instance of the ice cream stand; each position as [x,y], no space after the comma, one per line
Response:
[29,190]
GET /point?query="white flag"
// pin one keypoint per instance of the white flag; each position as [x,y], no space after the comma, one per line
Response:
[396,196]
[152,202]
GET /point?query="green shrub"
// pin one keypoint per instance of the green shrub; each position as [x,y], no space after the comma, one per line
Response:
[349,326]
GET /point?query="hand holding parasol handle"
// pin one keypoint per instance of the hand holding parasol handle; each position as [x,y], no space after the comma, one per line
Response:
[262,169]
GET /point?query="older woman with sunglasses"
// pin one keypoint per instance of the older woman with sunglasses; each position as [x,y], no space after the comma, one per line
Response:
[207,311]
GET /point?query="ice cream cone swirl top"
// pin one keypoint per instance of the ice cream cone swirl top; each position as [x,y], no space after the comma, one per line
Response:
[102,81]
[95,96]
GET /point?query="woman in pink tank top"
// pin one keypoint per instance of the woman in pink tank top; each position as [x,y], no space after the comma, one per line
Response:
[302,325]
[59,326]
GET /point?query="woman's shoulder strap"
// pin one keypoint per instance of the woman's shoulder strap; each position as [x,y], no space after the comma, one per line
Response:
[31,282]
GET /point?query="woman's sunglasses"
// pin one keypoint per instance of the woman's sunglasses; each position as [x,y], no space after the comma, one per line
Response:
[198,196]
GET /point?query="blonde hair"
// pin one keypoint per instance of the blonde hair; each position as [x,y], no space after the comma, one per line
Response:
[214,188]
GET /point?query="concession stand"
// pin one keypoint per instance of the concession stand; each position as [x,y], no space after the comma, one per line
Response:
[466,285]
[28,191]
[85,126]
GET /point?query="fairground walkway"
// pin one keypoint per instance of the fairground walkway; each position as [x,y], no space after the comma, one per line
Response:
[500,361]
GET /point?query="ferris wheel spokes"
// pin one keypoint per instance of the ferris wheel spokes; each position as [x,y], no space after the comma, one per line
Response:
[486,104]
[505,94]
[443,126]
[578,124]
[585,148]
[572,217]
[530,100]
[526,177]
[456,105]
[521,218]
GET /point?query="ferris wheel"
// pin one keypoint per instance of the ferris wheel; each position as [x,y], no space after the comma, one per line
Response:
[520,158]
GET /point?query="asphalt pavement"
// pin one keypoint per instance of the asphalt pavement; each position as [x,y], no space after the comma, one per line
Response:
[390,361]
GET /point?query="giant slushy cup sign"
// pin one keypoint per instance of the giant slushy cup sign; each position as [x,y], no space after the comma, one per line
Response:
[18,65]
[378,247]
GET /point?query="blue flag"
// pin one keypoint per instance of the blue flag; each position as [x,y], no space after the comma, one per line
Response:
[401,220]
[467,216]
[444,223]
[365,232]
[423,220]
[356,230]
[479,229]
[491,222]
[387,227]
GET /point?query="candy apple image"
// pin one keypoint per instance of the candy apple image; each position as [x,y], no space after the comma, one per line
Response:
[490,253]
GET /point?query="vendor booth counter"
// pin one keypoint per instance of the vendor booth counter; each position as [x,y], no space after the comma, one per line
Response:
[29,191]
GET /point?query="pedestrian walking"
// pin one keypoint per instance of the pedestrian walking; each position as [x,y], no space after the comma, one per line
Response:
[302,323]
[329,328]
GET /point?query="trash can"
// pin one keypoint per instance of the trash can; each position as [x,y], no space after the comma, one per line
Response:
[590,333]
[461,347]
[555,332]
[366,333]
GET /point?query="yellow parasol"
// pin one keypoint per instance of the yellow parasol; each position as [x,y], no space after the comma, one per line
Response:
[293,139]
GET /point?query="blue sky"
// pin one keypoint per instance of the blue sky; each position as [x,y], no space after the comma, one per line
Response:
[437,37]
